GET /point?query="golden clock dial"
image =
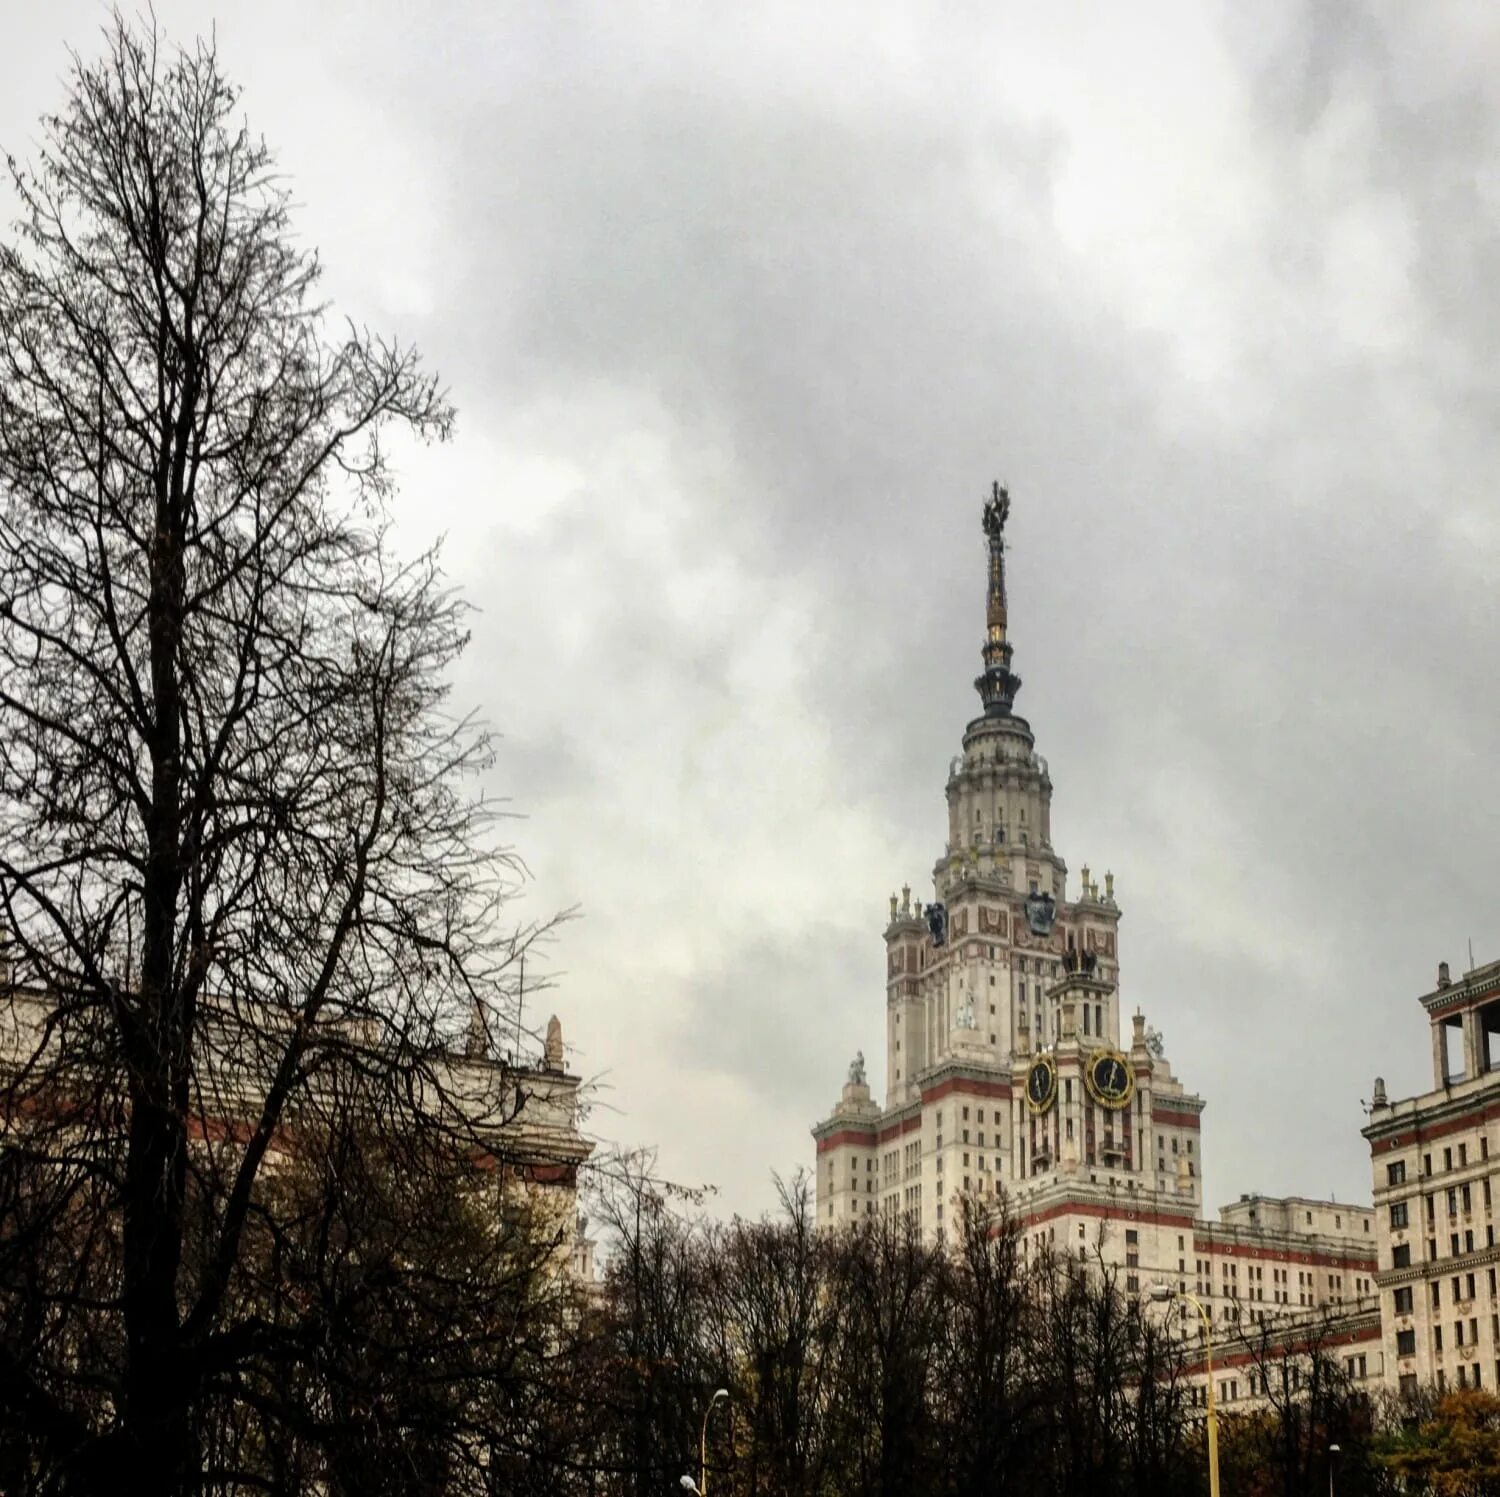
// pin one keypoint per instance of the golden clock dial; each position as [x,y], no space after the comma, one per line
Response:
[1110,1080]
[1041,1084]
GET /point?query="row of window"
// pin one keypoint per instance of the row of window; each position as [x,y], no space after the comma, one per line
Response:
[1459,1200]
[1458,1247]
[1395,1171]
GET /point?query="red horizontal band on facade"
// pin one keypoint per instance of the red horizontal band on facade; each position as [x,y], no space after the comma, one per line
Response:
[1484,1110]
[864,1137]
[216,1130]
[1174,1119]
[1274,1348]
[896,1130]
[1211,1249]
[964,1086]
[1106,1213]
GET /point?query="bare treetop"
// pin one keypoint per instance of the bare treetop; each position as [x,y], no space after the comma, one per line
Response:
[241,852]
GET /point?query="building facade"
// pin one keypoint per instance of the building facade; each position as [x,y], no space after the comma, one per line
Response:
[1433,1162]
[529,1105]
[1012,1067]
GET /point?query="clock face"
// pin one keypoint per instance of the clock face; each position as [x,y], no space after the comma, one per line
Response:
[1041,1085]
[1109,1078]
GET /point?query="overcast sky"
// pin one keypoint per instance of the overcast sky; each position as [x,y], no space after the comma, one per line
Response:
[744,306]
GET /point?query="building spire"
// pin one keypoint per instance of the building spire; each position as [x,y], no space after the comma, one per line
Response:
[998,686]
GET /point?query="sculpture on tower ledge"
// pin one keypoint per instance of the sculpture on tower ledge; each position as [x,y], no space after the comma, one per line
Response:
[996,510]
[857,1069]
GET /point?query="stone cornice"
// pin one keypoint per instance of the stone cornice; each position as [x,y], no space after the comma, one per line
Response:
[1419,1272]
[1434,1114]
[1482,982]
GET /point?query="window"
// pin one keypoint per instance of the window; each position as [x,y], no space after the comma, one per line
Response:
[1398,1214]
[1463,1155]
[1447,1159]
[1437,1338]
[1403,1300]
[1395,1173]
[1406,1343]
[1427,1164]
[1401,1255]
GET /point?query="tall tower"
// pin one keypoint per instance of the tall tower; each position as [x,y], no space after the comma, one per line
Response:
[1014,1079]
[1001,970]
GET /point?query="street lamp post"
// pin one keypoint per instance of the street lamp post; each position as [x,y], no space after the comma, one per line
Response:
[701,1485]
[1333,1459]
[1162,1292]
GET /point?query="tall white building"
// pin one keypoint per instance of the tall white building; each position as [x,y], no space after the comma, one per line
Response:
[1010,1063]
[1435,1158]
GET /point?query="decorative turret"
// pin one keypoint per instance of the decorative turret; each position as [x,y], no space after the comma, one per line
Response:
[998,686]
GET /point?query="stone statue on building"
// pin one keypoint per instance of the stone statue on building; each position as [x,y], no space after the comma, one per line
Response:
[552,1051]
[477,1041]
[996,510]
[857,1069]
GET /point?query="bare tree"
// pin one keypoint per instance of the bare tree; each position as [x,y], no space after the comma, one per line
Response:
[987,1408]
[656,1369]
[889,1285]
[240,855]
[775,1328]
[1293,1364]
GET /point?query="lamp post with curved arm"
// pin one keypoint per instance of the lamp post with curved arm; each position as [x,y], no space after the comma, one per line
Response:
[1163,1292]
[701,1485]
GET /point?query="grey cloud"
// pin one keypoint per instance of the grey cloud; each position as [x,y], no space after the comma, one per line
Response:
[777,304]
